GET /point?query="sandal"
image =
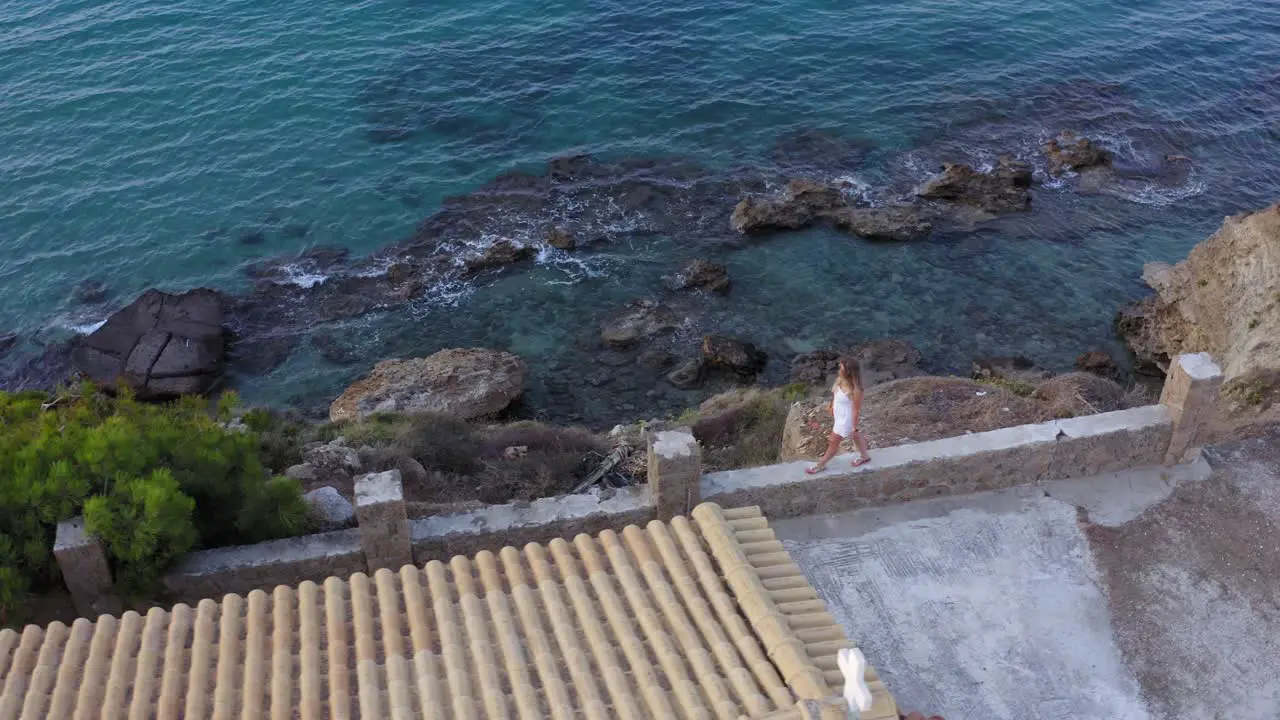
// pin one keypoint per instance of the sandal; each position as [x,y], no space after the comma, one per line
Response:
[860,461]
[814,470]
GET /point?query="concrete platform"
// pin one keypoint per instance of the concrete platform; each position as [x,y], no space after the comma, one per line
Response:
[1149,594]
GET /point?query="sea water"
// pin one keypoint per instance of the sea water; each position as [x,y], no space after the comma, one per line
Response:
[168,144]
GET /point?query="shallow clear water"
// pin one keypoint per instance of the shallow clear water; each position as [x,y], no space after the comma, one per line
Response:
[142,142]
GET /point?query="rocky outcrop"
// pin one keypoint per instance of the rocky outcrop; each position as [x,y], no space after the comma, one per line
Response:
[7,341]
[898,223]
[1003,189]
[721,352]
[1069,152]
[640,320]
[561,239]
[797,206]
[702,275]
[502,252]
[1224,299]
[160,345]
[468,383]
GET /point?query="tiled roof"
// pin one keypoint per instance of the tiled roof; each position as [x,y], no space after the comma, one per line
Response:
[701,619]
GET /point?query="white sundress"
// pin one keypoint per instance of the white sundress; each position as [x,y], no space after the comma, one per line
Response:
[842,409]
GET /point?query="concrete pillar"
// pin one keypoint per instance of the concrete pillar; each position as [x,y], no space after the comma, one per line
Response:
[83,562]
[675,472]
[384,526]
[1191,397]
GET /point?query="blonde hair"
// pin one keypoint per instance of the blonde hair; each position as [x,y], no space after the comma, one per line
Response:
[849,377]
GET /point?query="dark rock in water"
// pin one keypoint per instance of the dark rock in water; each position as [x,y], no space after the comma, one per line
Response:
[879,361]
[293,231]
[399,272]
[89,292]
[887,359]
[262,355]
[160,345]
[798,206]
[613,359]
[7,341]
[656,359]
[502,252]
[252,237]
[687,375]
[1013,369]
[815,149]
[333,349]
[1069,152]
[51,368]
[571,167]
[899,224]
[721,352]
[561,239]
[815,368]
[702,275]
[1004,189]
[641,320]
[1097,362]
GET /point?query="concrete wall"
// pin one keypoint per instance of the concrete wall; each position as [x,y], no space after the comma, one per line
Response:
[214,573]
[969,463]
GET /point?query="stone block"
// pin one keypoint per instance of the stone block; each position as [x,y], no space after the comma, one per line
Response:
[1191,397]
[384,525]
[675,472]
[83,562]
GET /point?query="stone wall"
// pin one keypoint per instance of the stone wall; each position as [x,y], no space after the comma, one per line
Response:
[443,536]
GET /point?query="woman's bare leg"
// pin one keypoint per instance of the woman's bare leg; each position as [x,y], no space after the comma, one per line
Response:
[860,442]
[833,447]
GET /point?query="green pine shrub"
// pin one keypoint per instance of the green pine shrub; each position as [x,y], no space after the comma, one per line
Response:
[152,481]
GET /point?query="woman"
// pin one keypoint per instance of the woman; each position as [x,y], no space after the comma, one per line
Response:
[846,407]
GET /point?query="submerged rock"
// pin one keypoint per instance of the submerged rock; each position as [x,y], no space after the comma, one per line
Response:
[1068,152]
[1003,189]
[880,361]
[465,383]
[7,341]
[702,275]
[721,352]
[641,320]
[89,292]
[687,375]
[160,345]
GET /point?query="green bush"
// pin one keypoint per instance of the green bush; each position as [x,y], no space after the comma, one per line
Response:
[152,481]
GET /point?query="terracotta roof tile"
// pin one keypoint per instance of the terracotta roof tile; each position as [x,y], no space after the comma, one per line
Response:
[706,618]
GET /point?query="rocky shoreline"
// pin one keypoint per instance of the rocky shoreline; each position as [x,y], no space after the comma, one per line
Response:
[575,207]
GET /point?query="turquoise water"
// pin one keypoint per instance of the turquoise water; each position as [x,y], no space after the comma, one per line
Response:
[167,144]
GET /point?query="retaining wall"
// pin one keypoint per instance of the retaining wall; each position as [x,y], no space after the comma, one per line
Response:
[1078,447]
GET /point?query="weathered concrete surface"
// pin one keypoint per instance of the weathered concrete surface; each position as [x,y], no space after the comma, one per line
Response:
[1142,594]
[288,561]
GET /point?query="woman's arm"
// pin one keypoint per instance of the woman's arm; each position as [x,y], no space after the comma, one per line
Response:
[857,408]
